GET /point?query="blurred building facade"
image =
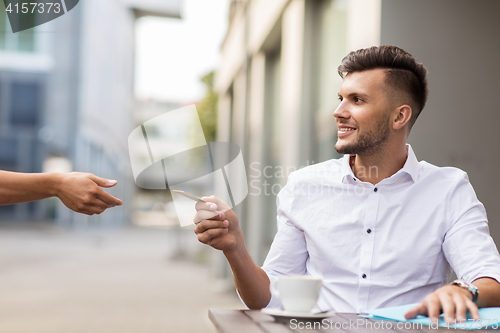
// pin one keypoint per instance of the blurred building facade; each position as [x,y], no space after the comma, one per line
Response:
[278,87]
[66,91]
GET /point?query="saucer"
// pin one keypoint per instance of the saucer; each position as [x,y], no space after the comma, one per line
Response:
[286,316]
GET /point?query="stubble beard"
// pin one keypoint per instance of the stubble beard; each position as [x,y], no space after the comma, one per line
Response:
[368,143]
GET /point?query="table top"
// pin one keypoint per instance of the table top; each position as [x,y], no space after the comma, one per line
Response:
[254,321]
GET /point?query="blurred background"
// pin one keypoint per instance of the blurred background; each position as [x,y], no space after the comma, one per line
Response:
[263,75]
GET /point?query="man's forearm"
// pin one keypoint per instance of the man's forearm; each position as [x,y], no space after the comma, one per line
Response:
[489,292]
[23,187]
[250,280]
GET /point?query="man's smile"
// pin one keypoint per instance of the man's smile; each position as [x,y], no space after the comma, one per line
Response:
[345,130]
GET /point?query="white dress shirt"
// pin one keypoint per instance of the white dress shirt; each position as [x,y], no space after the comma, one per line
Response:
[380,245]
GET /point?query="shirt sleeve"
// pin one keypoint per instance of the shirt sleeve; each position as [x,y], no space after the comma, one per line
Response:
[288,252]
[467,245]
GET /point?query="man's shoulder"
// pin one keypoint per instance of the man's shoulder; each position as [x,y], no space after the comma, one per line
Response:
[428,170]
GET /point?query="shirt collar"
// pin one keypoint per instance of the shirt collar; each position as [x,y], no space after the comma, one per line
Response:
[346,171]
[411,166]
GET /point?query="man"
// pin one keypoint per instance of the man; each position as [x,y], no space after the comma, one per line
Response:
[80,192]
[379,227]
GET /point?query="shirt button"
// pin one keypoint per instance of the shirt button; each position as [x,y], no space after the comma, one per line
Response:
[369,230]
[375,189]
[363,276]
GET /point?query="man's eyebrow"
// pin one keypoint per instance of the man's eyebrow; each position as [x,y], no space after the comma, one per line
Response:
[354,94]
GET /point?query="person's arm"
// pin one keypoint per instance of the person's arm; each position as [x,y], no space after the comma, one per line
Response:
[472,254]
[219,228]
[80,192]
[489,292]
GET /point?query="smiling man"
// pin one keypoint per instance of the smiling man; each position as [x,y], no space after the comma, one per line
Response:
[378,226]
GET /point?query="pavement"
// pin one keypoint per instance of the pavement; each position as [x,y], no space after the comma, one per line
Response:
[54,280]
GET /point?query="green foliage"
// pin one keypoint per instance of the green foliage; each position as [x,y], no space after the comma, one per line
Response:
[207,108]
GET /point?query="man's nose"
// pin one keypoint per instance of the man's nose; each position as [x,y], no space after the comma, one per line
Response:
[341,111]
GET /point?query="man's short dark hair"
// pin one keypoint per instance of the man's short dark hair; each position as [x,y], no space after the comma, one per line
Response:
[404,73]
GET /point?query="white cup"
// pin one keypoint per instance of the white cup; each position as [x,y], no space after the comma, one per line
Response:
[298,293]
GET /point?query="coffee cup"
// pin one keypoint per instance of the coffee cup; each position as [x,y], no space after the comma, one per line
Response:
[298,293]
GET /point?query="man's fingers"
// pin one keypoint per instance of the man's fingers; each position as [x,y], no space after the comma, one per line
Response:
[460,308]
[207,215]
[433,308]
[210,224]
[207,236]
[474,311]
[451,300]
[419,309]
[448,306]
[428,307]
[221,205]
[200,205]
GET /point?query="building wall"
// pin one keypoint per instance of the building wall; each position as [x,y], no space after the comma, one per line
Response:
[105,95]
[456,41]
[84,64]
[25,67]
[105,99]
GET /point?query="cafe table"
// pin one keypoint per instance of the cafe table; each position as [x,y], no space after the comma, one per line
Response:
[254,321]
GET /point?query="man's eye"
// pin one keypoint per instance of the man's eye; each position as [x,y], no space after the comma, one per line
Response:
[357,99]
[340,98]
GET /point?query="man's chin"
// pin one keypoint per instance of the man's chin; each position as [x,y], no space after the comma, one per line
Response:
[343,149]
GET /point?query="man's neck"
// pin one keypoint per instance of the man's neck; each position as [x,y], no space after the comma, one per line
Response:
[373,168]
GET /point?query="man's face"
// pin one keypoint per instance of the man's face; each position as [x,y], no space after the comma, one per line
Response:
[363,115]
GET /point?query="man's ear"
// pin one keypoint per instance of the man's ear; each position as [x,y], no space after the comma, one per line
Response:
[403,116]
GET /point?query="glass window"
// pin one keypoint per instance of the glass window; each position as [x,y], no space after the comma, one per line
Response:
[8,153]
[26,38]
[3,25]
[24,104]
[23,41]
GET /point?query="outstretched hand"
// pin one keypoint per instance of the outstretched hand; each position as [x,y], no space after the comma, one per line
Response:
[82,193]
